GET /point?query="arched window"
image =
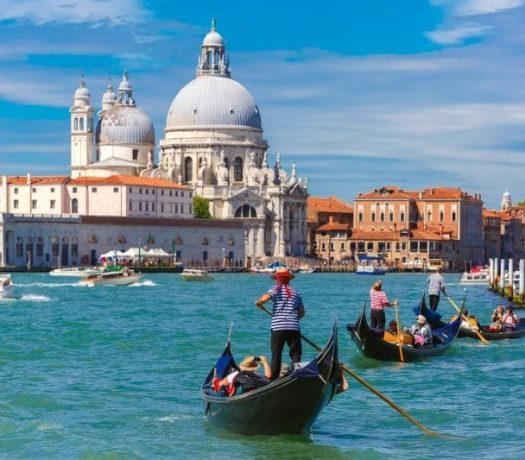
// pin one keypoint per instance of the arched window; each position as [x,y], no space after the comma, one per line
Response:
[237,169]
[75,124]
[74,206]
[245,211]
[205,242]
[81,124]
[188,169]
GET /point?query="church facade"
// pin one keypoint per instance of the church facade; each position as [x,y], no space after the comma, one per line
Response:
[213,146]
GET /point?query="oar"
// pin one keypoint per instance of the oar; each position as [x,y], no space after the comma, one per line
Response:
[399,344]
[363,382]
[451,301]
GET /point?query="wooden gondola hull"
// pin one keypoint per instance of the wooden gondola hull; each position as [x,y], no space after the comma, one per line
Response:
[371,345]
[487,334]
[291,408]
[288,405]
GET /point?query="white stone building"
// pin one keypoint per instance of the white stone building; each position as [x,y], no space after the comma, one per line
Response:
[213,146]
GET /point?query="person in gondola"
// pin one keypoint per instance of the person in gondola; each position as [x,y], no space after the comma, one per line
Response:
[509,320]
[497,318]
[422,332]
[378,302]
[288,309]
[436,286]
[246,378]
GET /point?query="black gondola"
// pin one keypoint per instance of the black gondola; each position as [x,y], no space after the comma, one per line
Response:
[371,344]
[434,319]
[495,335]
[289,404]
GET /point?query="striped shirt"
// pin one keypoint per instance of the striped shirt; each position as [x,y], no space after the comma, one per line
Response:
[436,284]
[378,300]
[284,316]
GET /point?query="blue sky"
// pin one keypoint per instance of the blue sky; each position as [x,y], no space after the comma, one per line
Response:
[413,93]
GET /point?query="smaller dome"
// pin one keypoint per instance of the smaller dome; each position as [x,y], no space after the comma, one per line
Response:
[125,125]
[125,85]
[109,96]
[213,38]
[82,93]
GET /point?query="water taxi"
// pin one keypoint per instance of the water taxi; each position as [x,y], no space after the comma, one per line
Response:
[76,271]
[479,277]
[122,277]
[193,274]
[370,265]
[6,286]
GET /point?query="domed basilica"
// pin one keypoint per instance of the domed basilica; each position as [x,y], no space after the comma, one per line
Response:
[213,141]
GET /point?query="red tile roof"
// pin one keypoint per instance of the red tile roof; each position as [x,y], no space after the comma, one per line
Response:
[375,236]
[335,226]
[330,204]
[388,192]
[392,192]
[127,180]
[37,180]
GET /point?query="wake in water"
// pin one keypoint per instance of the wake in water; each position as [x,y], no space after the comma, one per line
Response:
[143,283]
[34,298]
[46,284]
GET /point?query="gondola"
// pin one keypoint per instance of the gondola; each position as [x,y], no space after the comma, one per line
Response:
[434,319]
[289,404]
[370,342]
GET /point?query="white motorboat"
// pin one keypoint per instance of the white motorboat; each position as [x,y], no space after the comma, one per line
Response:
[6,286]
[193,274]
[123,277]
[480,278]
[76,271]
[370,265]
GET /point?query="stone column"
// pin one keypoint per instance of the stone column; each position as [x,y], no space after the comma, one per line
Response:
[502,274]
[260,241]
[496,273]
[521,287]
[511,279]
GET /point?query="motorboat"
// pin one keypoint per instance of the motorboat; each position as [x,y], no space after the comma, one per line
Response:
[478,277]
[122,277]
[194,274]
[6,286]
[76,271]
[370,265]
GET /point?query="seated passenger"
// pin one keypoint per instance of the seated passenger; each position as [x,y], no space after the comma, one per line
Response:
[468,321]
[509,321]
[246,378]
[391,334]
[497,317]
[421,331]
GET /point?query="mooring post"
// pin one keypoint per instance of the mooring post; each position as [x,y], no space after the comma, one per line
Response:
[511,279]
[521,287]
[502,276]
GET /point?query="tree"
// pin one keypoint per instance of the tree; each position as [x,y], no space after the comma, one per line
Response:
[521,203]
[201,207]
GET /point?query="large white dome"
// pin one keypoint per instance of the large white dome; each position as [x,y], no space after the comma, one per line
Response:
[213,101]
[123,125]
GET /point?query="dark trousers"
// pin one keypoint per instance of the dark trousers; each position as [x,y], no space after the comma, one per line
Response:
[377,319]
[434,301]
[279,338]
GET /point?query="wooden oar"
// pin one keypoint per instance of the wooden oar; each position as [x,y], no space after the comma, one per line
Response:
[451,301]
[399,341]
[363,382]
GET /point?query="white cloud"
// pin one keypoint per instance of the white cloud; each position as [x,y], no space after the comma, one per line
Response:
[480,7]
[453,36]
[72,11]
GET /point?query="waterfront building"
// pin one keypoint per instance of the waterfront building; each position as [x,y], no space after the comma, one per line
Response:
[213,147]
[419,229]
[329,223]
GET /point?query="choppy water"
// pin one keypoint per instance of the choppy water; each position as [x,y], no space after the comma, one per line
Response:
[114,372]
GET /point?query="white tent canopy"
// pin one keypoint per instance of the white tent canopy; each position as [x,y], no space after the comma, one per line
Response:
[134,253]
[158,252]
[112,255]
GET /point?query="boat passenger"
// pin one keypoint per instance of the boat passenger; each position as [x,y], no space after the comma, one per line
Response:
[421,331]
[246,378]
[497,317]
[288,309]
[392,327]
[378,302]
[509,321]
[468,321]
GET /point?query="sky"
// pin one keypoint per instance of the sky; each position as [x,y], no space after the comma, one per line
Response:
[413,93]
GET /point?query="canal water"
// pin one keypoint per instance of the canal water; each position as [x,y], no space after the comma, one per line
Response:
[114,372]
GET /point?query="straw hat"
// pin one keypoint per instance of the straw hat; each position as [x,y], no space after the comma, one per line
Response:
[283,273]
[421,319]
[249,364]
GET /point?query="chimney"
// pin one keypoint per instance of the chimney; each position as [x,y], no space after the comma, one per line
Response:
[330,219]
[28,178]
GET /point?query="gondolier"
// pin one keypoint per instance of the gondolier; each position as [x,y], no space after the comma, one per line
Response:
[288,309]
[436,286]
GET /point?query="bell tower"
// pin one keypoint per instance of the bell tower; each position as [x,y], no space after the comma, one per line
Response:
[82,139]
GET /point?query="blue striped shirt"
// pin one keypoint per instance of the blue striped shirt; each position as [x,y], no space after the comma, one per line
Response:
[436,284]
[284,316]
